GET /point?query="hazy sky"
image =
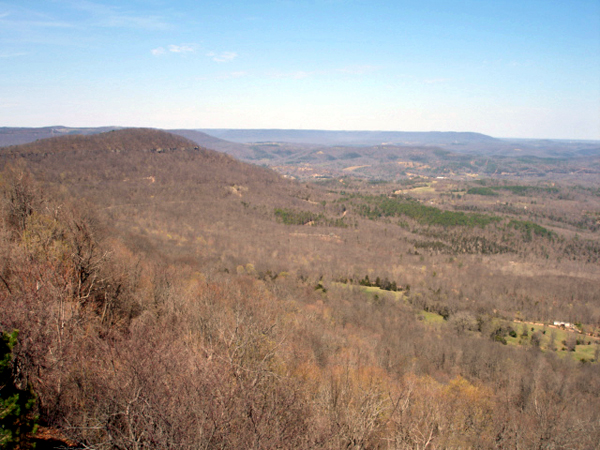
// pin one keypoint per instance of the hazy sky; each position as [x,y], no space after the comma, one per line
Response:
[522,68]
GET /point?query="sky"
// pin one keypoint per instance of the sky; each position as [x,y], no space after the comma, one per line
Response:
[506,68]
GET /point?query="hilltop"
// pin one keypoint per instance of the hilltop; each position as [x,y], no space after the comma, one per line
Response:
[132,139]
[130,154]
[141,176]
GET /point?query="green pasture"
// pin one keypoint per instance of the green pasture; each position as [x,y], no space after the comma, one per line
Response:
[430,317]
[545,333]
[422,189]
[374,290]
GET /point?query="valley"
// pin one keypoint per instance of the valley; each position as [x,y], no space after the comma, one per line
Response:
[332,294]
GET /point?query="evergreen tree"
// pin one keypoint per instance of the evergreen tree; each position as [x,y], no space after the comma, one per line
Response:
[16,416]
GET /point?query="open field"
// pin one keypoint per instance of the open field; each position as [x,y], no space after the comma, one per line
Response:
[548,338]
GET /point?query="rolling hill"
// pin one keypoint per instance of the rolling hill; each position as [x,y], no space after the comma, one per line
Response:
[145,177]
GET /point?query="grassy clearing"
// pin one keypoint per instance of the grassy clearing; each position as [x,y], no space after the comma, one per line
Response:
[422,189]
[353,168]
[584,352]
[430,317]
[424,316]
[427,188]
[554,339]
[373,290]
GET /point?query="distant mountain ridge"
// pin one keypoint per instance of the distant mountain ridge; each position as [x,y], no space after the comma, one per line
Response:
[23,135]
[327,137]
[232,148]
[454,141]
[253,144]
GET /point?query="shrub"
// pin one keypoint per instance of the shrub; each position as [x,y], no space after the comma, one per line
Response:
[498,338]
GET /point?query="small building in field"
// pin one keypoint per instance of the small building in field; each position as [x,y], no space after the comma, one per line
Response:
[558,323]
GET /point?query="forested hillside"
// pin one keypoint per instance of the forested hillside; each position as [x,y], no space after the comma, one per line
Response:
[170,296]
